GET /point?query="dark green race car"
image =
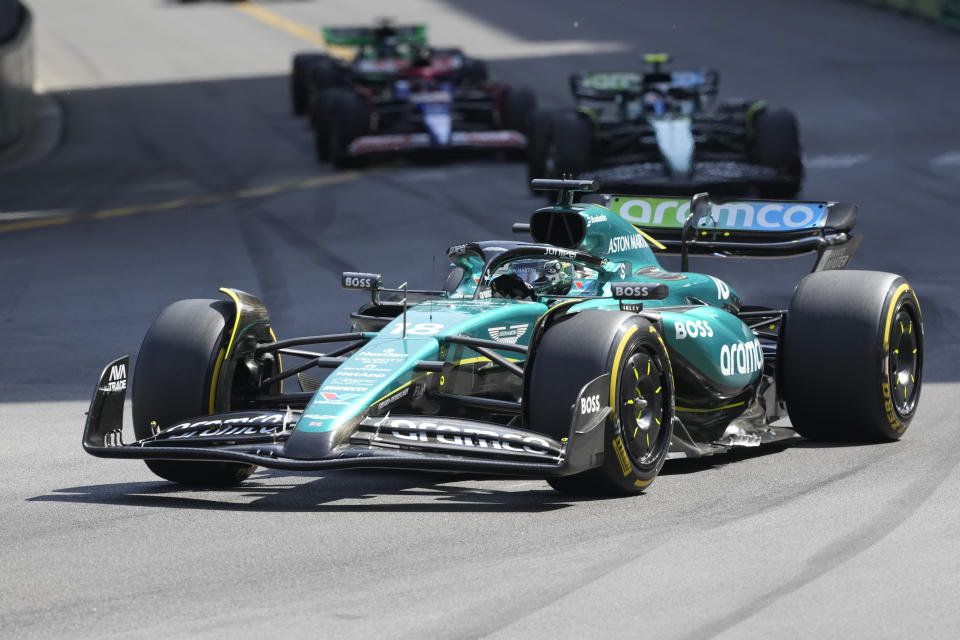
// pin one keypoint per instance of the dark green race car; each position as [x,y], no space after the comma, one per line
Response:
[575,357]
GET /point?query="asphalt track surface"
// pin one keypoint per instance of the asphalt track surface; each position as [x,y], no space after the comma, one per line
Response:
[180,169]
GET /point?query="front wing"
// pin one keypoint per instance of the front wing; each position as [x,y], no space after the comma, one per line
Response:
[400,143]
[397,442]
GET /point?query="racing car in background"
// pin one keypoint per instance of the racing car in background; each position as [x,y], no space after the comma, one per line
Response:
[662,131]
[575,357]
[397,94]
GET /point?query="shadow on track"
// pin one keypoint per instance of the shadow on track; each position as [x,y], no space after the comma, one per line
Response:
[377,490]
[698,465]
[417,492]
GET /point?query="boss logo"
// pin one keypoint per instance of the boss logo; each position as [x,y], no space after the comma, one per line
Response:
[589,404]
[646,291]
[693,329]
[352,280]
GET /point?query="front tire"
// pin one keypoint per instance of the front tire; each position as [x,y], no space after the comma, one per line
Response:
[320,121]
[852,356]
[348,120]
[638,431]
[518,105]
[173,378]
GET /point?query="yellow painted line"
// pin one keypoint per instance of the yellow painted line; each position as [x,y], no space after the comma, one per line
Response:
[32,224]
[294,29]
[197,201]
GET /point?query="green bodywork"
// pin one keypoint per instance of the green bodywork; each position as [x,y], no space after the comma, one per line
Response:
[696,318]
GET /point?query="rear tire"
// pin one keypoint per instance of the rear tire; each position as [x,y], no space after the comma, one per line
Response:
[572,144]
[637,436]
[475,71]
[173,378]
[776,144]
[851,361]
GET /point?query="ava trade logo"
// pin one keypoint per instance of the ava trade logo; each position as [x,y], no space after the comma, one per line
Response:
[746,216]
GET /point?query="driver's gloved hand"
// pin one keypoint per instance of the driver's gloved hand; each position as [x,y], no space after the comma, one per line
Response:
[510,286]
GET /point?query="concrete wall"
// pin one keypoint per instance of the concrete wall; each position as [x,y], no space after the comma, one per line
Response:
[16,71]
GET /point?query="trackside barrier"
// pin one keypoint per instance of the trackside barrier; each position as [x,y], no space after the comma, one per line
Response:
[16,81]
[945,12]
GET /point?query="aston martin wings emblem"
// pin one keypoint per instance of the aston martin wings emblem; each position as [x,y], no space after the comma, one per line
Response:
[510,334]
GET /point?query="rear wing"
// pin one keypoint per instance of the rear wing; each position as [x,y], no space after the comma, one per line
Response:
[414,34]
[743,228]
[610,85]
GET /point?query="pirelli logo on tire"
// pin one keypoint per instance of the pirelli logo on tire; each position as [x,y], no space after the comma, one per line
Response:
[888,409]
[625,465]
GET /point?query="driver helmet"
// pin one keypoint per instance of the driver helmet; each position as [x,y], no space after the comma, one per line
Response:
[548,277]
[654,102]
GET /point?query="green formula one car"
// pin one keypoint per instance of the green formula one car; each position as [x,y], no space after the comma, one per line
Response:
[575,358]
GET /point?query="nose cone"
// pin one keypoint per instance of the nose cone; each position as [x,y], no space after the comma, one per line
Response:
[439,122]
[675,140]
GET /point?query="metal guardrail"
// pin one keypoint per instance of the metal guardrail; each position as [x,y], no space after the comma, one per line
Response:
[16,81]
[945,12]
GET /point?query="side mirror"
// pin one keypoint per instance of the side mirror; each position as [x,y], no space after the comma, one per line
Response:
[358,281]
[639,290]
[361,281]
[700,210]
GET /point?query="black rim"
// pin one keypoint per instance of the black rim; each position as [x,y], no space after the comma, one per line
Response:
[641,406]
[904,359]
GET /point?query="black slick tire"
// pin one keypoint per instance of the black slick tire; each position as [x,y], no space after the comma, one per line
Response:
[851,358]
[574,351]
[776,143]
[518,105]
[320,121]
[572,144]
[299,78]
[348,120]
[540,146]
[474,71]
[172,382]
